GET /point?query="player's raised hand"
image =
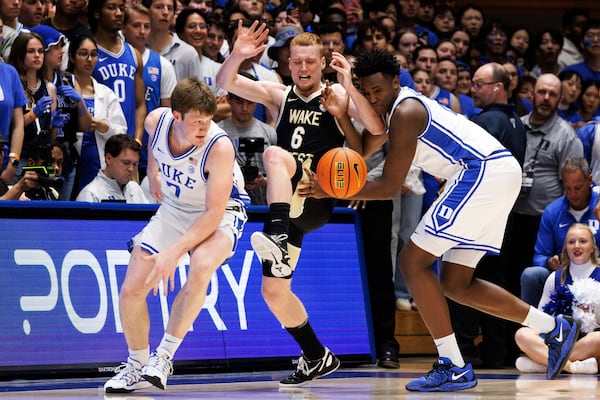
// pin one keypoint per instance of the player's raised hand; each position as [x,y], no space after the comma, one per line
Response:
[251,42]
[343,68]
[336,104]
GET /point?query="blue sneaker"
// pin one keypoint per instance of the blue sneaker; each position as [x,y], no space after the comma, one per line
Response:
[444,377]
[560,343]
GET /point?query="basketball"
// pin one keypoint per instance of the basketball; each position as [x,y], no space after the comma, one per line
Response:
[341,172]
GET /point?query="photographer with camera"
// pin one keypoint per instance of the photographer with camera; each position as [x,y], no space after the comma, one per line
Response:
[45,159]
[250,136]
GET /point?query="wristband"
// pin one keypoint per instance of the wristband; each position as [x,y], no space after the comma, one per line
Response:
[32,115]
[15,156]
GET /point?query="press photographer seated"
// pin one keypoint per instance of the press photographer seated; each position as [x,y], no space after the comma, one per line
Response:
[41,177]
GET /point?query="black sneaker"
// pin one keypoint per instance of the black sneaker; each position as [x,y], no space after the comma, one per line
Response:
[389,357]
[308,370]
[272,250]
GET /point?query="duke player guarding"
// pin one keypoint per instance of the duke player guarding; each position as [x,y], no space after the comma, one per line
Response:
[466,221]
[202,212]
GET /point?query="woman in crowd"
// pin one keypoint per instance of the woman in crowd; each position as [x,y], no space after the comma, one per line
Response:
[446,49]
[463,85]
[406,41]
[101,102]
[589,100]
[27,56]
[471,18]
[69,102]
[523,106]
[496,42]
[461,39]
[444,22]
[579,260]
[372,35]
[547,46]
[519,41]
[571,90]
[422,81]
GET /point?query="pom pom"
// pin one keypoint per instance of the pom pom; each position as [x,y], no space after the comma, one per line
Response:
[561,302]
[586,302]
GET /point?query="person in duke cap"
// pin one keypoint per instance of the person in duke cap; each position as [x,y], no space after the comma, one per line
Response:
[52,37]
[280,52]
[282,39]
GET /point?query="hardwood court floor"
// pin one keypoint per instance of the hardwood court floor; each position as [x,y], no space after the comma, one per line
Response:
[365,382]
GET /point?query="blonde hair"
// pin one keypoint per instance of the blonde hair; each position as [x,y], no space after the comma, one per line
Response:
[307,39]
[564,257]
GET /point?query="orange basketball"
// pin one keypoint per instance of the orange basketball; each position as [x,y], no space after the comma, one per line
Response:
[341,172]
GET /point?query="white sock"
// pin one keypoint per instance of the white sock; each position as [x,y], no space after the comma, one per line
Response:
[539,320]
[448,347]
[169,345]
[139,357]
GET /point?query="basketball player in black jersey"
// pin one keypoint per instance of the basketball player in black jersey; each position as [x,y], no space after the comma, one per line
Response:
[312,118]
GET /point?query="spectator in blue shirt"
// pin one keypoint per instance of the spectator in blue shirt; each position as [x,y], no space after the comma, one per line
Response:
[576,205]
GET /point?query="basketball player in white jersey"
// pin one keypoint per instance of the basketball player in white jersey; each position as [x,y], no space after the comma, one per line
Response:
[309,122]
[193,173]
[466,221]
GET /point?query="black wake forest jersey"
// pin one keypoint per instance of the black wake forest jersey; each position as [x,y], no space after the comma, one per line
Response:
[305,128]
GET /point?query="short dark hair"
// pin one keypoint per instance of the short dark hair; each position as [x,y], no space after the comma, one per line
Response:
[373,61]
[118,143]
[39,149]
[327,28]
[593,23]
[74,46]
[93,6]
[422,47]
[554,33]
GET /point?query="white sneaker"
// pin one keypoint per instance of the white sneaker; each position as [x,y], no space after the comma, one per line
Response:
[525,364]
[588,366]
[403,304]
[158,369]
[127,379]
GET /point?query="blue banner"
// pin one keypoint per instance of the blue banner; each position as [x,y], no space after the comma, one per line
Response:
[61,277]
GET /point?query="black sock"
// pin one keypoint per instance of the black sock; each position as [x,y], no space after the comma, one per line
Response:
[308,341]
[278,219]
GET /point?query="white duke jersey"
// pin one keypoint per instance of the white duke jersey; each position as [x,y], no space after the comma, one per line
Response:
[450,142]
[183,178]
